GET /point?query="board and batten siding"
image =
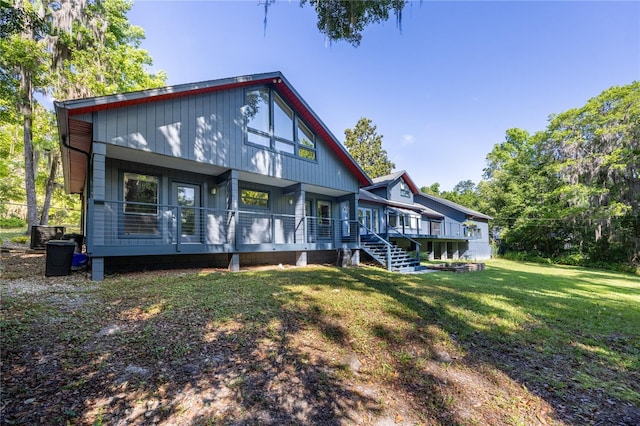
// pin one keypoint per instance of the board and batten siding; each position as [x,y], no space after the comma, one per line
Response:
[480,249]
[395,193]
[209,128]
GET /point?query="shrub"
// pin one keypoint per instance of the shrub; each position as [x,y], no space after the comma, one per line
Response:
[22,239]
[12,222]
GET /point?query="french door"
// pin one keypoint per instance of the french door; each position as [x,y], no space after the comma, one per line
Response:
[369,219]
[187,198]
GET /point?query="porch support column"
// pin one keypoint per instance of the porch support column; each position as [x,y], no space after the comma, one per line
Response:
[355,257]
[298,192]
[301,258]
[456,252]
[96,229]
[233,234]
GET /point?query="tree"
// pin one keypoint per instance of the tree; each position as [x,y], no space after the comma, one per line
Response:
[68,49]
[365,146]
[465,193]
[574,186]
[433,189]
[596,150]
[346,19]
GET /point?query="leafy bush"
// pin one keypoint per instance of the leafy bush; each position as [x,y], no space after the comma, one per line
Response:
[571,260]
[12,222]
[22,239]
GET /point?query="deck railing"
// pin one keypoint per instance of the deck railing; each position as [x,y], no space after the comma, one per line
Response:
[448,230]
[118,224]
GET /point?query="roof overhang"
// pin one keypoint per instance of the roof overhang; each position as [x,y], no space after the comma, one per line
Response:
[415,208]
[76,135]
[389,179]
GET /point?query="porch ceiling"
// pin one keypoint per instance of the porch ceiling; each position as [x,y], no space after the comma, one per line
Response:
[75,163]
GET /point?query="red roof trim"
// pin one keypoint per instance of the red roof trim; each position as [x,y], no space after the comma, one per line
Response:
[412,186]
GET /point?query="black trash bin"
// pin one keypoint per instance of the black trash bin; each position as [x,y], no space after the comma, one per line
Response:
[59,257]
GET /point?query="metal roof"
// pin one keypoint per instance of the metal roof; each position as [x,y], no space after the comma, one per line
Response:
[469,212]
[415,207]
[389,179]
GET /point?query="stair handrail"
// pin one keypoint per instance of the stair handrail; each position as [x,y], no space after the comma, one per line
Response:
[403,235]
[386,243]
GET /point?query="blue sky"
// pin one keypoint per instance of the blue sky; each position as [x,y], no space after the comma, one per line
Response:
[442,91]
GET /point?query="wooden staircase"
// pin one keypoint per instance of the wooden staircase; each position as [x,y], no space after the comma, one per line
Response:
[400,260]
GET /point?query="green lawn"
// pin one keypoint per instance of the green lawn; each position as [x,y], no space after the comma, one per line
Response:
[514,344]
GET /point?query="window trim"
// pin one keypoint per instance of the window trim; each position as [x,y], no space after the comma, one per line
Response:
[124,214]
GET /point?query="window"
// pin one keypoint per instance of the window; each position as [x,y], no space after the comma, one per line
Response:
[282,119]
[435,228]
[393,219]
[404,191]
[272,123]
[306,142]
[324,219]
[252,198]
[140,193]
[257,110]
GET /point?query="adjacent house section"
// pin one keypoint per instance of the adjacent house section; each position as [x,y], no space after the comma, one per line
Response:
[394,210]
[228,172]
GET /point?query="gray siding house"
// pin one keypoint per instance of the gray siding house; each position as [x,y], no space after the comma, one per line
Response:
[393,209]
[228,172]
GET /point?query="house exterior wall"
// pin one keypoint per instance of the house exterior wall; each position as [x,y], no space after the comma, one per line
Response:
[209,129]
[480,249]
[399,191]
[224,225]
[446,238]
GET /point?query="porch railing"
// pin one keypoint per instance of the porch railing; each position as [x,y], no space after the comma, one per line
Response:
[116,224]
[377,238]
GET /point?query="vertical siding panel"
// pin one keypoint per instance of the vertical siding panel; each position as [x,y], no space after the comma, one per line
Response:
[110,122]
[157,134]
[201,135]
[186,118]
[168,118]
[131,124]
[147,126]
[143,125]
[211,118]
[121,126]
[99,131]
[226,153]
[228,136]
[217,151]
[176,106]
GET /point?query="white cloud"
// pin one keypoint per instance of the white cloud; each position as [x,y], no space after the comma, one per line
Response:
[408,140]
